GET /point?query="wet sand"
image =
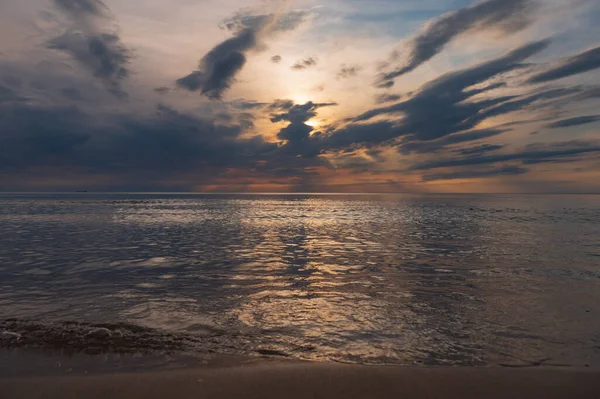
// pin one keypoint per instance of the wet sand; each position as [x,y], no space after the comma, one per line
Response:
[306,380]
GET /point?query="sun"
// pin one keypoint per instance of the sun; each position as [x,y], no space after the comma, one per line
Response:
[299,98]
[312,123]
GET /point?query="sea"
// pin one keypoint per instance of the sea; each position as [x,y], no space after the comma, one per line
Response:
[407,279]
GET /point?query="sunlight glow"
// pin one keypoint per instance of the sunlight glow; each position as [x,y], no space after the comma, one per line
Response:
[313,123]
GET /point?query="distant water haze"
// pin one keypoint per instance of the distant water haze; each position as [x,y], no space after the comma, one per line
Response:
[456,280]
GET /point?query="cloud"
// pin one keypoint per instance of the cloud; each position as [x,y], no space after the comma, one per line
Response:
[445,105]
[480,149]
[584,62]
[510,16]
[56,82]
[475,174]
[296,113]
[166,144]
[305,63]
[96,48]
[13,81]
[357,164]
[550,98]
[8,94]
[247,104]
[72,94]
[413,145]
[280,104]
[32,135]
[375,154]
[530,154]
[219,67]
[273,23]
[591,93]
[577,121]
[297,134]
[78,8]
[162,90]
[348,72]
[103,54]
[454,126]
[387,98]
[134,149]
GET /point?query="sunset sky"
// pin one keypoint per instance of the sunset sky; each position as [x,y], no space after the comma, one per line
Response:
[300,96]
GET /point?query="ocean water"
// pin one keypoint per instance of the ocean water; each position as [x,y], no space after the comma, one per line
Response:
[458,280]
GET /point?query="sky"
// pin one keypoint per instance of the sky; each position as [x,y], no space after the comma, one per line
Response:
[349,96]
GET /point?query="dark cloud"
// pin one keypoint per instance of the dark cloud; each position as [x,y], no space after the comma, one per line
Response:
[72,93]
[219,67]
[357,164]
[162,90]
[543,161]
[550,98]
[376,154]
[590,93]
[474,174]
[78,8]
[508,15]
[248,104]
[387,98]
[129,150]
[276,59]
[449,90]
[529,154]
[97,49]
[296,113]
[480,149]
[57,82]
[445,105]
[413,145]
[7,94]
[13,81]
[11,95]
[174,141]
[122,145]
[580,120]
[297,134]
[103,54]
[385,84]
[31,135]
[280,104]
[305,63]
[246,120]
[363,134]
[348,72]
[577,64]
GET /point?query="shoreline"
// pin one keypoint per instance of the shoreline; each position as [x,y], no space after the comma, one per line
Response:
[274,379]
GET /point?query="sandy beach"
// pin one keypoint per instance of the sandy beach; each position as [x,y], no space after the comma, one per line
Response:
[307,380]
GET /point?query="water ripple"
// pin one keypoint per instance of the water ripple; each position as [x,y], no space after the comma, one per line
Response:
[439,280]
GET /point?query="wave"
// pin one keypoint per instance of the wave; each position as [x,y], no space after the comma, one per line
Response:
[123,338]
[91,338]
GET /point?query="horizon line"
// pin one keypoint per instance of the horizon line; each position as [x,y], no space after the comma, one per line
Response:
[288,193]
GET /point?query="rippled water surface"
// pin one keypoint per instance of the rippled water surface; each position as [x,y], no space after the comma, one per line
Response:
[436,280]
